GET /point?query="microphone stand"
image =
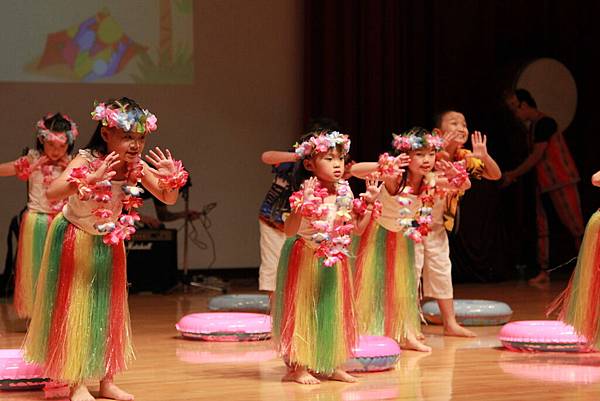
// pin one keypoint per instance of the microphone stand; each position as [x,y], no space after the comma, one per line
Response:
[187,281]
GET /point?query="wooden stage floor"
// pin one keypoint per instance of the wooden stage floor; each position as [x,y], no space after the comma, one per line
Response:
[169,368]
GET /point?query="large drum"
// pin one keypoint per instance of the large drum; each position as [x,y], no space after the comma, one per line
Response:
[553,88]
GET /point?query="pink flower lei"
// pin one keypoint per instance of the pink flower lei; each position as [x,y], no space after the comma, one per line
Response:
[333,235]
[101,193]
[322,143]
[417,226]
[24,169]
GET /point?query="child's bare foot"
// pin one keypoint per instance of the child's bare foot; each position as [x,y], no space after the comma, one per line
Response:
[108,389]
[300,375]
[81,393]
[412,342]
[421,337]
[343,376]
[456,330]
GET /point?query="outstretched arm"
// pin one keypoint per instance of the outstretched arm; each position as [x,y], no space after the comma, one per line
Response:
[274,157]
[8,169]
[531,160]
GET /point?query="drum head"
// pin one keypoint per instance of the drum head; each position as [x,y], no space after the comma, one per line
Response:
[553,88]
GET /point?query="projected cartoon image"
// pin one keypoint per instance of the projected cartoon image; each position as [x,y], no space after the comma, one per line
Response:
[114,42]
[96,48]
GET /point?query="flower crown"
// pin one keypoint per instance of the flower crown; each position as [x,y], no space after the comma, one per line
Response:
[322,143]
[140,121]
[417,138]
[45,134]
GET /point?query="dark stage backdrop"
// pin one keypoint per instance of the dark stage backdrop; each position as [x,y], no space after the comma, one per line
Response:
[381,66]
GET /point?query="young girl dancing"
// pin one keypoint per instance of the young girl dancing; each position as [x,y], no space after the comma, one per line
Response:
[314,324]
[579,304]
[56,135]
[389,257]
[80,325]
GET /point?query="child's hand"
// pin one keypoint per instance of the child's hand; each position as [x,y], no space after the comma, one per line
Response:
[40,162]
[105,171]
[479,143]
[450,139]
[402,161]
[309,187]
[446,168]
[164,165]
[373,190]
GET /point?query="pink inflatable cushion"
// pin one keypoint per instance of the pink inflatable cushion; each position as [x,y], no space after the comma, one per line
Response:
[542,335]
[16,374]
[225,326]
[373,354]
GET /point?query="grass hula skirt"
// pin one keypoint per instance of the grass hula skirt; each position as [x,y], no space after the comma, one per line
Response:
[579,304]
[314,324]
[32,235]
[385,284]
[80,325]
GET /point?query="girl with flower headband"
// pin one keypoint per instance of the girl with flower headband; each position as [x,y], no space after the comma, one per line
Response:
[405,239]
[56,135]
[80,325]
[578,305]
[314,324]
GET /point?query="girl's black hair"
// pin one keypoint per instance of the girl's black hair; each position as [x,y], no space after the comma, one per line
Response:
[97,144]
[55,123]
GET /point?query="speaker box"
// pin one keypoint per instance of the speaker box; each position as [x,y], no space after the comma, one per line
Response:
[152,260]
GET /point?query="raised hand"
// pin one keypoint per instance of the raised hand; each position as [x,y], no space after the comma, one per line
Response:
[40,162]
[105,170]
[309,187]
[446,168]
[373,190]
[479,143]
[163,163]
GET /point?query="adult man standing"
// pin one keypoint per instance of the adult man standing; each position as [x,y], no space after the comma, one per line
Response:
[556,174]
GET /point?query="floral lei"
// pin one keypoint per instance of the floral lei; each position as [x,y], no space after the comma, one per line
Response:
[333,237]
[419,225]
[24,169]
[322,143]
[128,120]
[101,192]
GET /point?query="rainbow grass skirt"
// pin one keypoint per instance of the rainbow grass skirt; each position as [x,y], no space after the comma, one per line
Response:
[580,302]
[314,324]
[32,236]
[80,323]
[385,284]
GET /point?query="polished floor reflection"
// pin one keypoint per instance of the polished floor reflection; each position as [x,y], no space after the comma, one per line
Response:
[169,368]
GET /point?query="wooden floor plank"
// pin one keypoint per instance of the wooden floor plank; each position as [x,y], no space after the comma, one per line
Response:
[169,368]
